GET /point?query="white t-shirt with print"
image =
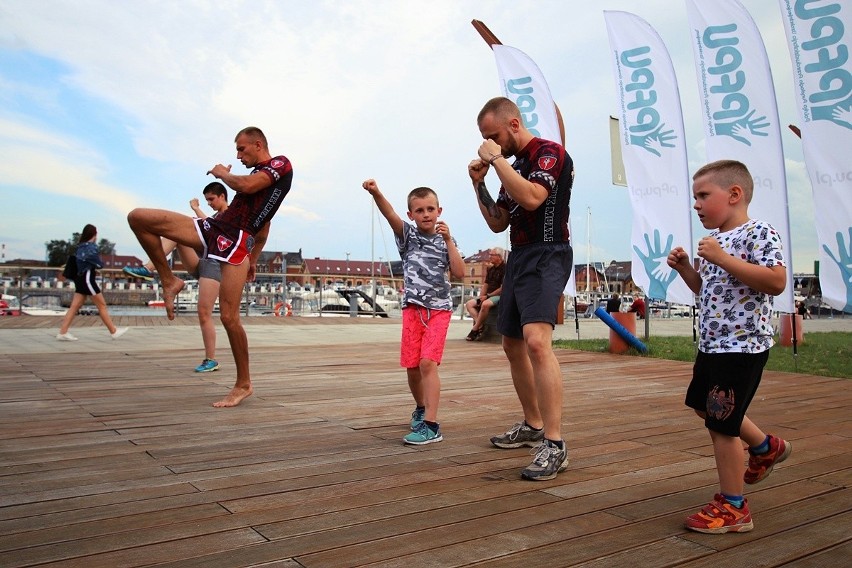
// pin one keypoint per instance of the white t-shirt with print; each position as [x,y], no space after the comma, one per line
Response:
[736,317]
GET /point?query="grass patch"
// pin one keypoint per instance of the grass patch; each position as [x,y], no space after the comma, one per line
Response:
[825,354]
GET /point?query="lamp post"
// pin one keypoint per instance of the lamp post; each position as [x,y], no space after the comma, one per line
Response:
[347,269]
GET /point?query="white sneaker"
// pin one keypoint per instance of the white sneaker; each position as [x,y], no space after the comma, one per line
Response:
[119,331]
[65,337]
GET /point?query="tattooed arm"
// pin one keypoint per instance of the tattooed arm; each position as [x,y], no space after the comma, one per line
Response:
[496,218]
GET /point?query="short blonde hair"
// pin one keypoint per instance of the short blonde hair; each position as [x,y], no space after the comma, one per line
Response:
[420,193]
[727,173]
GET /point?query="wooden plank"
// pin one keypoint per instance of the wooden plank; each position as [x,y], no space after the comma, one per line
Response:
[104,467]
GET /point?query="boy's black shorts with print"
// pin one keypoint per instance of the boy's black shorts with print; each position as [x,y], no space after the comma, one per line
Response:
[723,385]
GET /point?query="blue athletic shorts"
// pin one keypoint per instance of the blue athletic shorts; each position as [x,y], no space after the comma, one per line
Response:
[535,279]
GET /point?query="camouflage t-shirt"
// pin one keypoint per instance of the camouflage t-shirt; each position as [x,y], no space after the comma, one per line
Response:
[425,262]
[735,317]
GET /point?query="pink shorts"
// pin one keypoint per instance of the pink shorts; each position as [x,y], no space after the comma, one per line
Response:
[424,333]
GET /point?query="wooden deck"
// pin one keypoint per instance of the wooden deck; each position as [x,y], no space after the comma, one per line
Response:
[116,459]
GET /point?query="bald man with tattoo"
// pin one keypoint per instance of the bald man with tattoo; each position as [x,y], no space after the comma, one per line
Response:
[533,203]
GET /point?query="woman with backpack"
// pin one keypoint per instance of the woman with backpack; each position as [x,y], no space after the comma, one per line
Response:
[85,285]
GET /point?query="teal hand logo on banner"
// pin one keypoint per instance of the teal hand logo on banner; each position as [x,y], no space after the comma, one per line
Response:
[843,115]
[656,267]
[655,140]
[743,128]
[844,264]
[839,113]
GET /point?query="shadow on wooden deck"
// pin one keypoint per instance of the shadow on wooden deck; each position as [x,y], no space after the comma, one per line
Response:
[117,459]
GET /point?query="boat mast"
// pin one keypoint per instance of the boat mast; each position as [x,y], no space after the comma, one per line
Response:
[588,245]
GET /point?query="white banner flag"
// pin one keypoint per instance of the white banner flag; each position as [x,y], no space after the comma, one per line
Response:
[523,82]
[819,34]
[654,151]
[740,114]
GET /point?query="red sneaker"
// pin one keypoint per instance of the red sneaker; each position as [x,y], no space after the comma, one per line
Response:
[719,517]
[759,467]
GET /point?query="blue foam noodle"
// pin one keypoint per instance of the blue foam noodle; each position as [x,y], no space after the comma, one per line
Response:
[621,330]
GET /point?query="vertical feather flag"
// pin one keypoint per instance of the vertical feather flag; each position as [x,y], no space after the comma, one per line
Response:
[818,35]
[523,82]
[740,113]
[654,151]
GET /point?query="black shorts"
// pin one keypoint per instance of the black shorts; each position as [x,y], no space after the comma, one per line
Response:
[723,385]
[85,283]
[223,242]
[535,279]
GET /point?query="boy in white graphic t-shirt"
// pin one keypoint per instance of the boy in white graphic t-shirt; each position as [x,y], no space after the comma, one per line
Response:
[741,267]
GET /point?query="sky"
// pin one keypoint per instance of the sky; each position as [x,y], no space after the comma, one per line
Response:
[106,106]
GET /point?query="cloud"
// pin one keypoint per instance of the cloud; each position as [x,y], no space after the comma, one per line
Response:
[347,90]
[48,162]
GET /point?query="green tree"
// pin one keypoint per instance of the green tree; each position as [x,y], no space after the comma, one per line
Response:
[58,251]
[106,248]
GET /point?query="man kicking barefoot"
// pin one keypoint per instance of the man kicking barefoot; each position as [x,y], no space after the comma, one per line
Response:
[232,237]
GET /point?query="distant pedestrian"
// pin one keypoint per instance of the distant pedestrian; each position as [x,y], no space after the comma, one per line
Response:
[489,294]
[638,307]
[86,286]
[428,252]
[613,304]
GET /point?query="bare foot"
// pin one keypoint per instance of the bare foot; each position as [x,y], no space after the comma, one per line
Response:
[170,292]
[236,396]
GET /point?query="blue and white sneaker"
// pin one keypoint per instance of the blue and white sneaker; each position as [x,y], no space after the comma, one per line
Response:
[206,366]
[139,272]
[423,435]
[417,418]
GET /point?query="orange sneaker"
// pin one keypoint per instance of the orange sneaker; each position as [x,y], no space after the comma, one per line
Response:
[719,517]
[759,467]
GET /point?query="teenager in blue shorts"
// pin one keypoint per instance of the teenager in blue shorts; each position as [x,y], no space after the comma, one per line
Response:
[235,238]
[534,204]
[741,267]
[428,252]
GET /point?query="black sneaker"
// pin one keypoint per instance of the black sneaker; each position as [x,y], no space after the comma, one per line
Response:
[519,435]
[549,460]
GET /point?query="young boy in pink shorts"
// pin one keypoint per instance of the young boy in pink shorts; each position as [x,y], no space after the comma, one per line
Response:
[427,252]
